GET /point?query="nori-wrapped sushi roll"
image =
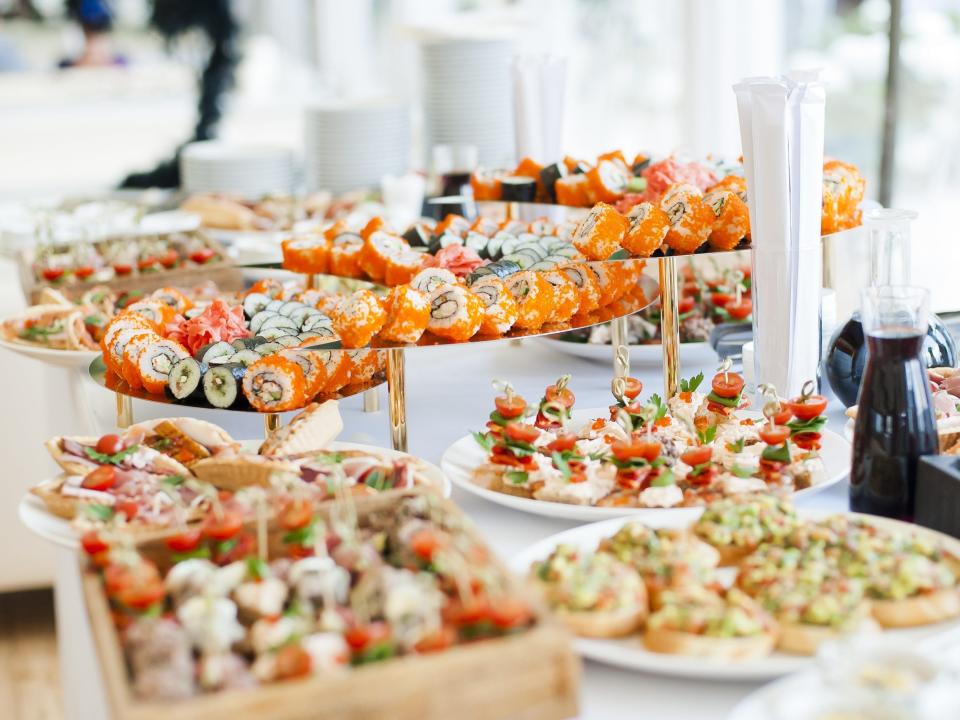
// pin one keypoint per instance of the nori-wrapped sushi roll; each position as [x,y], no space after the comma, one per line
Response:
[212,351]
[221,385]
[418,235]
[549,176]
[503,268]
[185,378]
[519,189]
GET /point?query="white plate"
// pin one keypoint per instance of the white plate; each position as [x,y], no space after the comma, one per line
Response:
[630,654]
[35,516]
[461,459]
[694,354]
[52,356]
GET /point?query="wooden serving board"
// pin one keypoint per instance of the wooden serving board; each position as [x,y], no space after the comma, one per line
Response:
[533,675]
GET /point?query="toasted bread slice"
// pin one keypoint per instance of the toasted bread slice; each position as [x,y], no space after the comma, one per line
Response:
[918,610]
[233,472]
[675,642]
[311,430]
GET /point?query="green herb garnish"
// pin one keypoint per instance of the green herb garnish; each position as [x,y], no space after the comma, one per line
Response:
[741,472]
[804,426]
[114,459]
[98,512]
[517,477]
[736,447]
[664,478]
[561,464]
[777,453]
[257,568]
[484,440]
[733,402]
[692,384]
[707,436]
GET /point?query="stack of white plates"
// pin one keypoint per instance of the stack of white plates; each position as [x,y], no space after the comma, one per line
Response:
[468,95]
[350,146]
[248,170]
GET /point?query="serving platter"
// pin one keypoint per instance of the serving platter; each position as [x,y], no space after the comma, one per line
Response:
[694,354]
[35,516]
[629,653]
[79,359]
[461,459]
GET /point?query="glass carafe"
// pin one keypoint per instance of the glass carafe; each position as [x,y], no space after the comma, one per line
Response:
[889,245]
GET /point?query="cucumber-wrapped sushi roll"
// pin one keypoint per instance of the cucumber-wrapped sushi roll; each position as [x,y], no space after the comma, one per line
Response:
[601,232]
[731,219]
[566,297]
[585,281]
[359,318]
[221,385]
[429,279]
[607,181]
[647,229]
[455,313]
[155,362]
[534,297]
[408,313]
[275,384]
[690,218]
[314,371]
[402,266]
[378,248]
[500,309]
[345,255]
[186,378]
[306,254]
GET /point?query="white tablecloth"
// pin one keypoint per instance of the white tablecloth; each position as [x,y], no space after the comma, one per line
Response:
[449,393]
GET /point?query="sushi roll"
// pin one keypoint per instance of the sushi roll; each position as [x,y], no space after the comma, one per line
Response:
[843,188]
[601,232]
[607,181]
[519,189]
[364,364]
[306,254]
[359,318]
[731,219]
[378,248]
[534,297]
[345,255]
[129,370]
[155,362]
[215,352]
[157,312]
[429,279]
[549,177]
[486,185]
[116,340]
[566,296]
[275,384]
[408,313]
[455,313]
[485,226]
[572,191]
[418,235]
[337,365]
[647,229]
[734,183]
[639,164]
[314,371]
[607,279]
[690,219]
[453,223]
[172,297]
[221,385]
[585,281]
[402,266]
[336,229]
[375,224]
[542,227]
[185,378]
[500,310]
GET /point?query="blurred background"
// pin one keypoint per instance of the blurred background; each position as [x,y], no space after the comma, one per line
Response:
[94,93]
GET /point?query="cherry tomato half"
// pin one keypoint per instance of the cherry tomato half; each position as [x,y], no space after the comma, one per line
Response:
[83,272]
[202,256]
[721,299]
[224,527]
[727,385]
[509,612]
[510,407]
[169,259]
[128,508]
[109,445]
[425,543]
[636,450]
[784,416]
[632,388]
[564,397]
[52,273]
[520,432]
[740,310]
[697,456]
[100,478]
[142,595]
[186,541]
[807,408]
[564,442]
[776,435]
[807,440]
[363,636]
[293,661]
[685,305]
[92,543]
[146,263]
[296,513]
[122,268]
[439,640]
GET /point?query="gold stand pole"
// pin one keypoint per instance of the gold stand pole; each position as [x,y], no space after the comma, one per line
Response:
[313,281]
[397,392]
[621,349]
[371,400]
[124,411]
[271,423]
[670,324]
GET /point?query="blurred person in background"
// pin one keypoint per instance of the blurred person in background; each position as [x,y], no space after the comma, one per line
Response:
[95,18]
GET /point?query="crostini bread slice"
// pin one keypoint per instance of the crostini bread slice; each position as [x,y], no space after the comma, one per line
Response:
[918,610]
[676,642]
[604,623]
[806,639]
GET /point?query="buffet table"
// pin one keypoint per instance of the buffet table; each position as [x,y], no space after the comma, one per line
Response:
[449,393]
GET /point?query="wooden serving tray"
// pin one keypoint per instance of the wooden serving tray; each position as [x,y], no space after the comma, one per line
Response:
[532,675]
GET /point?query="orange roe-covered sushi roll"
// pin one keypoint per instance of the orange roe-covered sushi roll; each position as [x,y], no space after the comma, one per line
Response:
[485,226]
[455,313]
[378,247]
[275,384]
[402,266]
[129,370]
[408,313]
[117,334]
[500,309]
[172,297]
[647,229]
[155,311]
[314,371]
[452,223]
[585,281]
[338,228]
[336,365]
[359,318]
[607,181]
[736,184]
[843,189]
[731,219]
[375,224]
[345,255]
[600,233]
[607,279]
[271,287]
[486,185]
[566,296]
[429,279]
[306,254]
[534,298]
[155,360]
[690,218]
[572,191]
[364,365]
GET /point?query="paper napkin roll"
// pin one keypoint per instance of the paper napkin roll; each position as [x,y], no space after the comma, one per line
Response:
[781,130]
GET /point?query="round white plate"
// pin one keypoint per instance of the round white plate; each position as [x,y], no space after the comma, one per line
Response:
[461,459]
[630,654]
[693,354]
[52,356]
[35,516]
